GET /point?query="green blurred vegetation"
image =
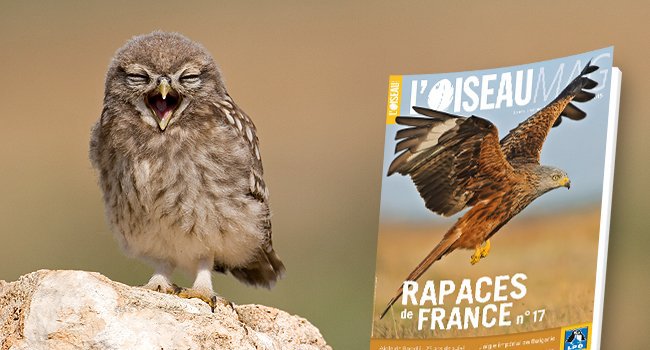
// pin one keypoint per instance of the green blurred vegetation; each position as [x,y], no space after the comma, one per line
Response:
[313,77]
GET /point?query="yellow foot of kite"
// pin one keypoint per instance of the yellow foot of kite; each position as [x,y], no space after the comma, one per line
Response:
[480,253]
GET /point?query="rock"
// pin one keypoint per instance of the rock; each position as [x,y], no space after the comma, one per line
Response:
[86,310]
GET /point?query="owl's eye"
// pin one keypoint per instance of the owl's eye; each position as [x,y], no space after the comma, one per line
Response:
[555,177]
[189,78]
[137,78]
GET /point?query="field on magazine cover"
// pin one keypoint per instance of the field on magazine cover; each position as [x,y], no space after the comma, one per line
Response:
[561,268]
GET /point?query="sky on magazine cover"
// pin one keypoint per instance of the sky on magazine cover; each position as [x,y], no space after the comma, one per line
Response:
[578,147]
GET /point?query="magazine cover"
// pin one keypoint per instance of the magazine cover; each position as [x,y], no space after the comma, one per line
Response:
[495,204]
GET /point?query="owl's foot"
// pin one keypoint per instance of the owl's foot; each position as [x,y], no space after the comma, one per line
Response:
[161,284]
[480,253]
[209,297]
[167,289]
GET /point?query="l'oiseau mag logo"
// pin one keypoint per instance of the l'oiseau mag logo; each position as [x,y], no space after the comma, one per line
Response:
[394,96]
[467,94]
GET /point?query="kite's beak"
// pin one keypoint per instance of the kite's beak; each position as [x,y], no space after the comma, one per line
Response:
[565,182]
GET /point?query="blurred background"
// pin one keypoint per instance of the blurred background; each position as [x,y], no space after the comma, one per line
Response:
[313,76]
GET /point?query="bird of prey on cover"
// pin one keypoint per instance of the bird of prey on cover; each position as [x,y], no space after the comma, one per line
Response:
[458,162]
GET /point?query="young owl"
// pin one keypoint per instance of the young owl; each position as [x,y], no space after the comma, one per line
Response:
[180,168]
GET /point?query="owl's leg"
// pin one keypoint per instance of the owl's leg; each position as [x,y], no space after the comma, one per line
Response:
[161,279]
[202,287]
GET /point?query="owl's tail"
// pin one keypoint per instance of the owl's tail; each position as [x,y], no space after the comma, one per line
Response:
[263,271]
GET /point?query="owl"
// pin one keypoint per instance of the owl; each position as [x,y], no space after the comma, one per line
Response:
[180,168]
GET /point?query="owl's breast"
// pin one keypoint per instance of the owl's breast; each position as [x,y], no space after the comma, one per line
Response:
[190,196]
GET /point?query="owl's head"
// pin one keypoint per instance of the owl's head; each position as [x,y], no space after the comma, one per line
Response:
[161,74]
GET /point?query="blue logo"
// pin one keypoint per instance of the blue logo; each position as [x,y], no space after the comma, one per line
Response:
[575,339]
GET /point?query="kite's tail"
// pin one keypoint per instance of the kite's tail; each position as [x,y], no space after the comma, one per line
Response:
[442,249]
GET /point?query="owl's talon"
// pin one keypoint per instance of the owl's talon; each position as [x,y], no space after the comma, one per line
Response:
[213,302]
[208,297]
[160,288]
[219,300]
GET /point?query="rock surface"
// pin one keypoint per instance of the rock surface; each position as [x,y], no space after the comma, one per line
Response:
[85,310]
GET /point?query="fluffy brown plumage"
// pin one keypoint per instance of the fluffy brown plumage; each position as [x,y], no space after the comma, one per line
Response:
[458,162]
[180,168]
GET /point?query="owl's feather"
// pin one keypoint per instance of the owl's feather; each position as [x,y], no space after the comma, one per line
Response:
[190,189]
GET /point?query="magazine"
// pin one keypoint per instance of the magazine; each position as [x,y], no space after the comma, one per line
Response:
[495,207]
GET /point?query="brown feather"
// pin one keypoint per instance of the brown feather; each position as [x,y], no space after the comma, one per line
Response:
[524,143]
[438,252]
[442,172]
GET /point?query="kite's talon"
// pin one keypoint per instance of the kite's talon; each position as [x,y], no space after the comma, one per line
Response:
[486,249]
[476,257]
[480,253]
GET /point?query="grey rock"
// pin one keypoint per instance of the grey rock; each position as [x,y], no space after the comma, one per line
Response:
[86,310]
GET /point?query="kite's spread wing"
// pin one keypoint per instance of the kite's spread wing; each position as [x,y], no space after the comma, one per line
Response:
[452,160]
[524,143]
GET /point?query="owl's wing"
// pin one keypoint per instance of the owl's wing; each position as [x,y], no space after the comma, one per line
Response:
[244,125]
[95,135]
[267,267]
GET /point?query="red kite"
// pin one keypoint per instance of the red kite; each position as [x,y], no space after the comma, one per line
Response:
[458,162]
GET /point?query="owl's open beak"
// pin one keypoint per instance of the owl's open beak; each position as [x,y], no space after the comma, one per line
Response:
[162,102]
